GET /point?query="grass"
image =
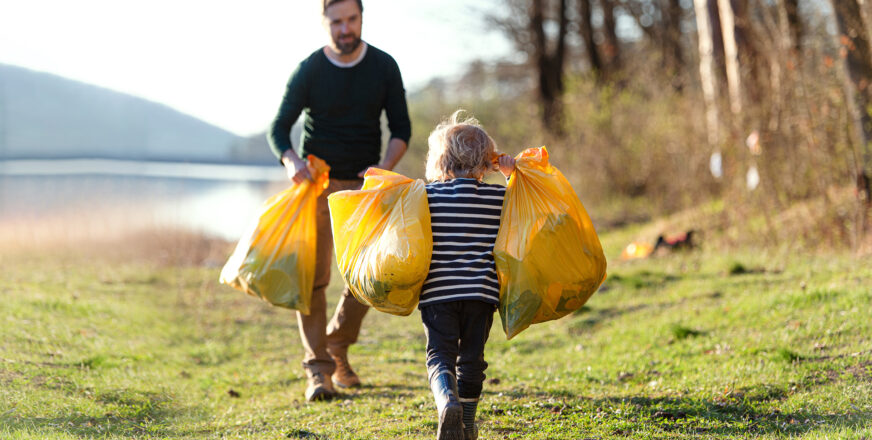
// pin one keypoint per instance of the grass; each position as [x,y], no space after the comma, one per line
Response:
[676,347]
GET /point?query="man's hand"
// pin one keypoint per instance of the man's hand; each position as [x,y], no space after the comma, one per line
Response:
[506,164]
[362,173]
[297,170]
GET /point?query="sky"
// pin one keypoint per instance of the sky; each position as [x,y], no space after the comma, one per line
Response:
[227,62]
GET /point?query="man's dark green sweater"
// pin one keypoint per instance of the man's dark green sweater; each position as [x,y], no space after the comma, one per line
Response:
[342,109]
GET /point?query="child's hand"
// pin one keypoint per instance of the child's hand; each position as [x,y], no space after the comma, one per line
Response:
[506,164]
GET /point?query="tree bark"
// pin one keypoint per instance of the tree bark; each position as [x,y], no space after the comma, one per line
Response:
[794,24]
[731,54]
[707,71]
[550,64]
[585,28]
[717,39]
[611,53]
[855,50]
[673,53]
[751,56]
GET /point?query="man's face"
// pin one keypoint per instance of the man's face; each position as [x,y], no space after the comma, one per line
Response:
[344,21]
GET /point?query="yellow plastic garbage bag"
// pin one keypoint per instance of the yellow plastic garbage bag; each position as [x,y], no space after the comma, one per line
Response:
[383,240]
[275,260]
[549,259]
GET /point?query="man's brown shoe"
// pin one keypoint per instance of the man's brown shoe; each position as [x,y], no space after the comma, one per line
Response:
[344,376]
[320,388]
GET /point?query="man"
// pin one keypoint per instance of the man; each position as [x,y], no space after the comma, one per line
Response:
[342,89]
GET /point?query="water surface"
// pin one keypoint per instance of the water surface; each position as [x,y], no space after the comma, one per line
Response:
[218,200]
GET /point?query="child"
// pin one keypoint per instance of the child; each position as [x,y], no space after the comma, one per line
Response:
[461,292]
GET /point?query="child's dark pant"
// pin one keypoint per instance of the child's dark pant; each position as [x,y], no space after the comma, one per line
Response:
[456,333]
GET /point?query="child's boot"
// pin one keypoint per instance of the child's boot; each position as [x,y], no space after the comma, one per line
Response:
[470,431]
[444,387]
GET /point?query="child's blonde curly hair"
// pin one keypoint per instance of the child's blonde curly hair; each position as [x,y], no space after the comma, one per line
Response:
[459,148]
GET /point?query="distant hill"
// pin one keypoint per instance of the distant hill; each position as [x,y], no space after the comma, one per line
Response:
[43,116]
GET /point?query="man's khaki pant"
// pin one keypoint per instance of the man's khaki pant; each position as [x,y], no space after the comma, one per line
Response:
[317,335]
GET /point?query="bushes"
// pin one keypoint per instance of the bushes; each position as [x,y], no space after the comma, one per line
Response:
[638,149]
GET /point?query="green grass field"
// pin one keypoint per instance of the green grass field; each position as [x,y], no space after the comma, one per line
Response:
[701,345]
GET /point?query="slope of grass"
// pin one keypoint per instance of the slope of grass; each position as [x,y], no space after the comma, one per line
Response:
[673,347]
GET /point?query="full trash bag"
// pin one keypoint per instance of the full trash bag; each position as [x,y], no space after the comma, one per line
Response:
[383,240]
[549,259]
[275,260]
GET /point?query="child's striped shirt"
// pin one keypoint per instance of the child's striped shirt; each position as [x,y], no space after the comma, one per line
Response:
[465,215]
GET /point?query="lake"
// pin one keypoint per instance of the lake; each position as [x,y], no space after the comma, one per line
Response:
[103,197]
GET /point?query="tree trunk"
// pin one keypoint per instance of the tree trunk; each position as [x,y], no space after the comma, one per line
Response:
[611,54]
[750,54]
[854,47]
[585,28]
[550,64]
[707,72]
[717,38]
[791,9]
[673,53]
[731,54]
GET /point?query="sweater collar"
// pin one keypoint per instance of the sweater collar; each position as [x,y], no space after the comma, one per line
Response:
[352,63]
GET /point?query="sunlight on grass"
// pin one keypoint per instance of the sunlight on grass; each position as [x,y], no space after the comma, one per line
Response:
[670,347]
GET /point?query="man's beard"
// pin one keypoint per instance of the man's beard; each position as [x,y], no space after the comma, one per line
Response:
[349,47]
